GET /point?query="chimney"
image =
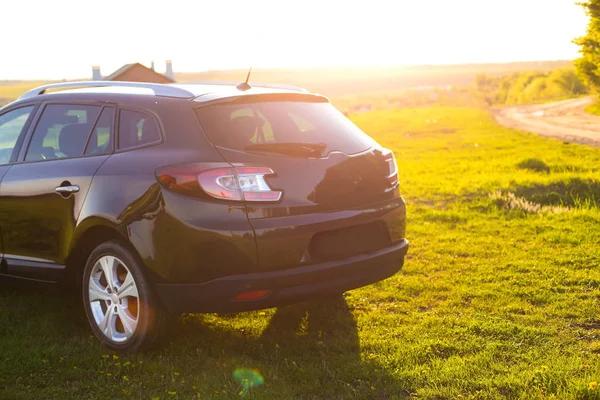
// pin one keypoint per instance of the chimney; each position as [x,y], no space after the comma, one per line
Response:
[152,65]
[96,75]
[169,73]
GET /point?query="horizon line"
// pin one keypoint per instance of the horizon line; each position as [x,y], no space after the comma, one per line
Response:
[355,66]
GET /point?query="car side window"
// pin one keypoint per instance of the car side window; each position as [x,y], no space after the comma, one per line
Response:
[62,132]
[100,142]
[11,127]
[137,129]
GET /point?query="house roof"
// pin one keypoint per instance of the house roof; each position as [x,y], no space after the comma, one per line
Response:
[127,67]
[119,71]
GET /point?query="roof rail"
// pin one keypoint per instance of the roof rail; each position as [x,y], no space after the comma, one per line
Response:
[253,84]
[158,88]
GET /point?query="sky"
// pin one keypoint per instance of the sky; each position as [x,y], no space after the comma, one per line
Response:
[62,39]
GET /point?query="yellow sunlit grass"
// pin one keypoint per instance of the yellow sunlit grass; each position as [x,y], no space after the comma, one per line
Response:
[11,92]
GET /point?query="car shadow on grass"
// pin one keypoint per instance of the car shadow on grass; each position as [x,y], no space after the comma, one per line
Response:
[307,350]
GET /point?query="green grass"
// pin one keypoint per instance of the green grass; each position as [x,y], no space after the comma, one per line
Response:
[593,108]
[499,298]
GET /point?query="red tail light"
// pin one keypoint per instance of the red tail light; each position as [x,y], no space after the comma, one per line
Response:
[393,167]
[222,182]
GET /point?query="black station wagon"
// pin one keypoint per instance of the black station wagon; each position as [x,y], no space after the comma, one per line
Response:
[160,199]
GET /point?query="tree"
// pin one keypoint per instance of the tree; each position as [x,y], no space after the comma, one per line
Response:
[588,65]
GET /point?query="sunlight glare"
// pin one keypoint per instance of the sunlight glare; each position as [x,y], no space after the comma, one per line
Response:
[199,36]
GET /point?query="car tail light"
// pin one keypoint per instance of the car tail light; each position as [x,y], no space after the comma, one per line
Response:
[389,158]
[225,183]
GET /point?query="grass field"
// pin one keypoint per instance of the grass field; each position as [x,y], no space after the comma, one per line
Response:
[500,296]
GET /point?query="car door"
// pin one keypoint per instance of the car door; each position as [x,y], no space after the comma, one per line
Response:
[13,125]
[42,194]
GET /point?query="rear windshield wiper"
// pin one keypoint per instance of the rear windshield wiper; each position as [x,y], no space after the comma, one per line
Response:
[290,148]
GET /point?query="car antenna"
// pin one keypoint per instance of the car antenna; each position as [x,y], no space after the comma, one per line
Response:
[245,85]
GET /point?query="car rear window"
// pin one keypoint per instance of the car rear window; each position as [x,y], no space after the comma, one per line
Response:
[237,126]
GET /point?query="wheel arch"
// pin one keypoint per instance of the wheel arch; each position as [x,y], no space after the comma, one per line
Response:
[88,235]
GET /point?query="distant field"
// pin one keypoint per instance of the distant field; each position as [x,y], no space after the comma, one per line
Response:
[344,84]
[345,81]
[10,91]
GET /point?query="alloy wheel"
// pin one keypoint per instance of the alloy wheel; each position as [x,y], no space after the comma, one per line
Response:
[114,299]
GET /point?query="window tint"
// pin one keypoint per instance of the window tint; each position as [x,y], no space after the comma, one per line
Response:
[302,124]
[100,141]
[136,129]
[11,126]
[237,126]
[62,132]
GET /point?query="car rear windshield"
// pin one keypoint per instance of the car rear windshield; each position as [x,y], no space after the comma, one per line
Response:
[249,125]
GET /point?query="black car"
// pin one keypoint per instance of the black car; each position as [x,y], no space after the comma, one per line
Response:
[160,199]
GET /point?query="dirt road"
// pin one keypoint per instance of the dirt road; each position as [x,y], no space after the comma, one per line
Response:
[566,120]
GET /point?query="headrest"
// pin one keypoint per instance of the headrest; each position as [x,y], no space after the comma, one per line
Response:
[67,120]
[244,127]
[72,138]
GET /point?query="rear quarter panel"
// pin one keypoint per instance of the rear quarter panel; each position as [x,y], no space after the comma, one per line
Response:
[179,239]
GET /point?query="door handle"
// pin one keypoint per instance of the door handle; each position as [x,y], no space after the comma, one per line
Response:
[67,189]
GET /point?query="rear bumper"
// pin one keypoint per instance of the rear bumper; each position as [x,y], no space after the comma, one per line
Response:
[286,286]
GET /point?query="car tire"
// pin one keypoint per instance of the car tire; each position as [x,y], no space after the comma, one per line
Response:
[119,302]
